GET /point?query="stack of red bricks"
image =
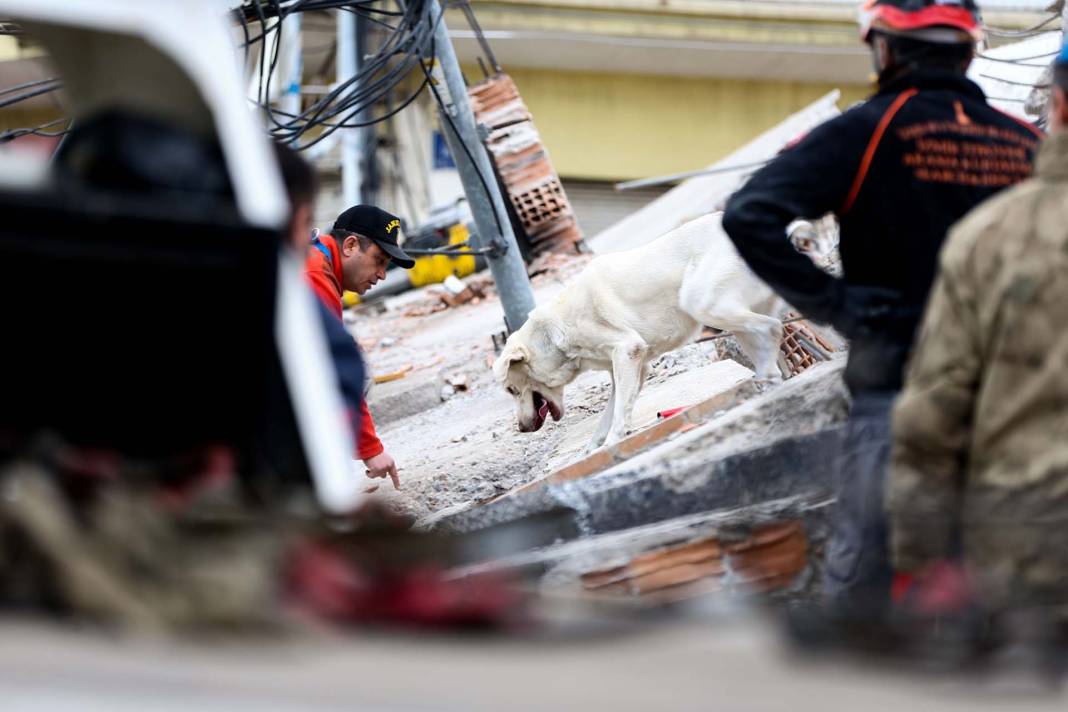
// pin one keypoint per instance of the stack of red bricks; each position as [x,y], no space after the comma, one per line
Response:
[522,161]
[770,558]
[801,347]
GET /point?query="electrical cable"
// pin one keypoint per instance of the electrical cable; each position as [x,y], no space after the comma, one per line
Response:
[29,95]
[1014,82]
[27,85]
[1019,62]
[1026,32]
[376,80]
[12,134]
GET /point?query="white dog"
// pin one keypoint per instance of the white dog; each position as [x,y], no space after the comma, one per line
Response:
[626,309]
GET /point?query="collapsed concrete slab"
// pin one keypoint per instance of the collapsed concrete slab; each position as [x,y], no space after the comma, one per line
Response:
[771,546]
[773,446]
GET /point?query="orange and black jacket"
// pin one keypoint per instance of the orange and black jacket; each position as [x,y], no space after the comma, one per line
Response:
[322,269]
[897,171]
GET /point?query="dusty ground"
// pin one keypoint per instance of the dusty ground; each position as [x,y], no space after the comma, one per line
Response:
[731,661]
[459,450]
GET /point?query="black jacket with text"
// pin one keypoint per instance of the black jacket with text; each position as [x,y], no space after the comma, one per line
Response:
[897,171]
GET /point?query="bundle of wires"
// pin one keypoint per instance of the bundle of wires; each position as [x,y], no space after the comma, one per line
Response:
[28,90]
[351,103]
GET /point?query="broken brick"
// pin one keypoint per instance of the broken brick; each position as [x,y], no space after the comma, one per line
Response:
[766,536]
[640,441]
[699,552]
[777,559]
[531,183]
[599,460]
[666,578]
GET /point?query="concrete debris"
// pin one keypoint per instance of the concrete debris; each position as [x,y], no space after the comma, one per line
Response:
[770,546]
[604,458]
[458,382]
[426,309]
[772,445]
[457,292]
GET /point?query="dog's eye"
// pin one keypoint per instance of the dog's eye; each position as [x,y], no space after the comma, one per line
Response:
[513,391]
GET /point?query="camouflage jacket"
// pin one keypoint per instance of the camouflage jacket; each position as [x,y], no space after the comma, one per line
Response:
[981,428]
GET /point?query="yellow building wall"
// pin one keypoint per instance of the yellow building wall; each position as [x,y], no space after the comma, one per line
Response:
[619,126]
[18,118]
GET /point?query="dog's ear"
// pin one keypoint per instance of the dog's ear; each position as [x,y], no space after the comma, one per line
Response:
[519,354]
[512,354]
[546,336]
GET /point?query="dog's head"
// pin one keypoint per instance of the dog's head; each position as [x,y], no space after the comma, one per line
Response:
[534,373]
[816,239]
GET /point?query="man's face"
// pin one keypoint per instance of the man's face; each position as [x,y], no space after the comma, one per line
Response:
[361,269]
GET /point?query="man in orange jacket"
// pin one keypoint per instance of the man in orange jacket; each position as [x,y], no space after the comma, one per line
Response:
[354,257]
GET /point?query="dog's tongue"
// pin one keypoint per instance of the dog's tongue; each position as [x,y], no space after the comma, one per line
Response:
[543,410]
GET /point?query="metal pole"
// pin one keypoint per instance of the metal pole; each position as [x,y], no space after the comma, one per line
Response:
[1039,100]
[293,66]
[350,138]
[1064,20]
[480,183]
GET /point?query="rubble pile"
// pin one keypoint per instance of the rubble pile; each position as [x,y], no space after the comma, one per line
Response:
[729,447]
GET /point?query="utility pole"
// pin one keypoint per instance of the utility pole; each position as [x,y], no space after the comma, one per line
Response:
[347,63]
[1040,101]
[292,67]
[494,231]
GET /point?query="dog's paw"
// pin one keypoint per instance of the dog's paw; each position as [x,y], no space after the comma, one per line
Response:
[766,383]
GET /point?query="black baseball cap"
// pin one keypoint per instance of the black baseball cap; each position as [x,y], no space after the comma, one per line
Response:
[376,225]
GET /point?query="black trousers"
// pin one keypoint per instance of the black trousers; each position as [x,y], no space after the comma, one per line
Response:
[857,570]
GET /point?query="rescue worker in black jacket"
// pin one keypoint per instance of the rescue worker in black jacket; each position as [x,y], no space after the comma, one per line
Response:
[897,171]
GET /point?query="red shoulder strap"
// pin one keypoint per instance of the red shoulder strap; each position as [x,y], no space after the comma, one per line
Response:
[873,144]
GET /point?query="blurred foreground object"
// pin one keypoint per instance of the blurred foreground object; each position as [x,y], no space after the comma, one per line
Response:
[164,179]
[162,478]
[980,461]
[91,539]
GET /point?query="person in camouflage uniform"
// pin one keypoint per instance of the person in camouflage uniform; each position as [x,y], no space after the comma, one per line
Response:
[979,457]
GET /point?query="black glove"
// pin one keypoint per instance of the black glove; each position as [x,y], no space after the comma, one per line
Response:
[864,311]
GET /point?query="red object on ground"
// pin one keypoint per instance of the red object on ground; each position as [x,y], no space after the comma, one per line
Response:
[902,585]
[325,583]
[943,588]
[665,414]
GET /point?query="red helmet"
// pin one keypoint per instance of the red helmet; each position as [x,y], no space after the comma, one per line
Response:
[939,21]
